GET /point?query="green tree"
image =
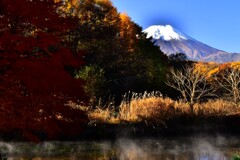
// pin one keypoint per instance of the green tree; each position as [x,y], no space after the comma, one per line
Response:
[95,82]
[155,60]
[177,57]
[116,44]
[98,23]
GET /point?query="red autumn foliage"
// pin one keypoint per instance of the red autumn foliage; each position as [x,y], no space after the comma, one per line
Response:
[35,82]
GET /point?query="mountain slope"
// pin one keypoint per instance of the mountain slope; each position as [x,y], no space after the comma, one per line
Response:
[172,41]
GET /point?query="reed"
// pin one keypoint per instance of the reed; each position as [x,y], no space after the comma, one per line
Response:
[137,107]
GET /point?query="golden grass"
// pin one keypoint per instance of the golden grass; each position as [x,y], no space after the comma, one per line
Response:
[99,115]
[217,107]
[152,107]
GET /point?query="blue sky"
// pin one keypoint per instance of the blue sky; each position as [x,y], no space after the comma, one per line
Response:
[213,22]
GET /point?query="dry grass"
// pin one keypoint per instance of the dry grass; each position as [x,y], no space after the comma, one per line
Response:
[99,115]
[150,106]
[153,107]
[217,107]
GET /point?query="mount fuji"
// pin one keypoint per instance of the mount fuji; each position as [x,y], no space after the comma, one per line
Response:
[172,41]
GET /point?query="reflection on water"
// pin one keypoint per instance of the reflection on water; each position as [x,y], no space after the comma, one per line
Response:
[125,149]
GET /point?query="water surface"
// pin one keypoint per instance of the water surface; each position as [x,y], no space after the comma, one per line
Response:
[180,148]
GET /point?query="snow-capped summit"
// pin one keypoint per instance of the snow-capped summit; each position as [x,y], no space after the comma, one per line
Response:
[172,41]
[165,33]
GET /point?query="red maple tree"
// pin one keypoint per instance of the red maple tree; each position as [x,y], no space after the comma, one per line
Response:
[35,81]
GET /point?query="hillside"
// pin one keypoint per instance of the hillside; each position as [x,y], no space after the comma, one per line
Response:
[172,41]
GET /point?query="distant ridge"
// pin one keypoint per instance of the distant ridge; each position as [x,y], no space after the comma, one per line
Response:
[172,41]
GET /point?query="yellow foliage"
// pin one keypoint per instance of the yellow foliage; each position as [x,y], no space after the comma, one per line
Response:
[207,69]
[107,2]
[212,68]
[212,72]
[124,16]
[128,32]
[235,65]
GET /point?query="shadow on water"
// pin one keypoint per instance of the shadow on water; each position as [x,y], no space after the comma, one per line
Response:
[184,148]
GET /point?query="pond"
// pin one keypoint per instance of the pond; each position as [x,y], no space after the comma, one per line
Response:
[180,148]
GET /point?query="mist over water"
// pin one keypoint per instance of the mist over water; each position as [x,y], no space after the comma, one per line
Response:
[185,148]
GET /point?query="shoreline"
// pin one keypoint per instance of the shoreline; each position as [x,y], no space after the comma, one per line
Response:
[182,126]
[176,127]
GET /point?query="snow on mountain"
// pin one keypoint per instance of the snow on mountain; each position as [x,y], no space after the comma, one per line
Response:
[165,33]
[172,41]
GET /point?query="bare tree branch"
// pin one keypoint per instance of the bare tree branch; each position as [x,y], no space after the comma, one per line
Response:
[229,80]
[192,84]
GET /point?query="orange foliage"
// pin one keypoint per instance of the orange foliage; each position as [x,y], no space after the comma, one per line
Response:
[128,32]
[212,68]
